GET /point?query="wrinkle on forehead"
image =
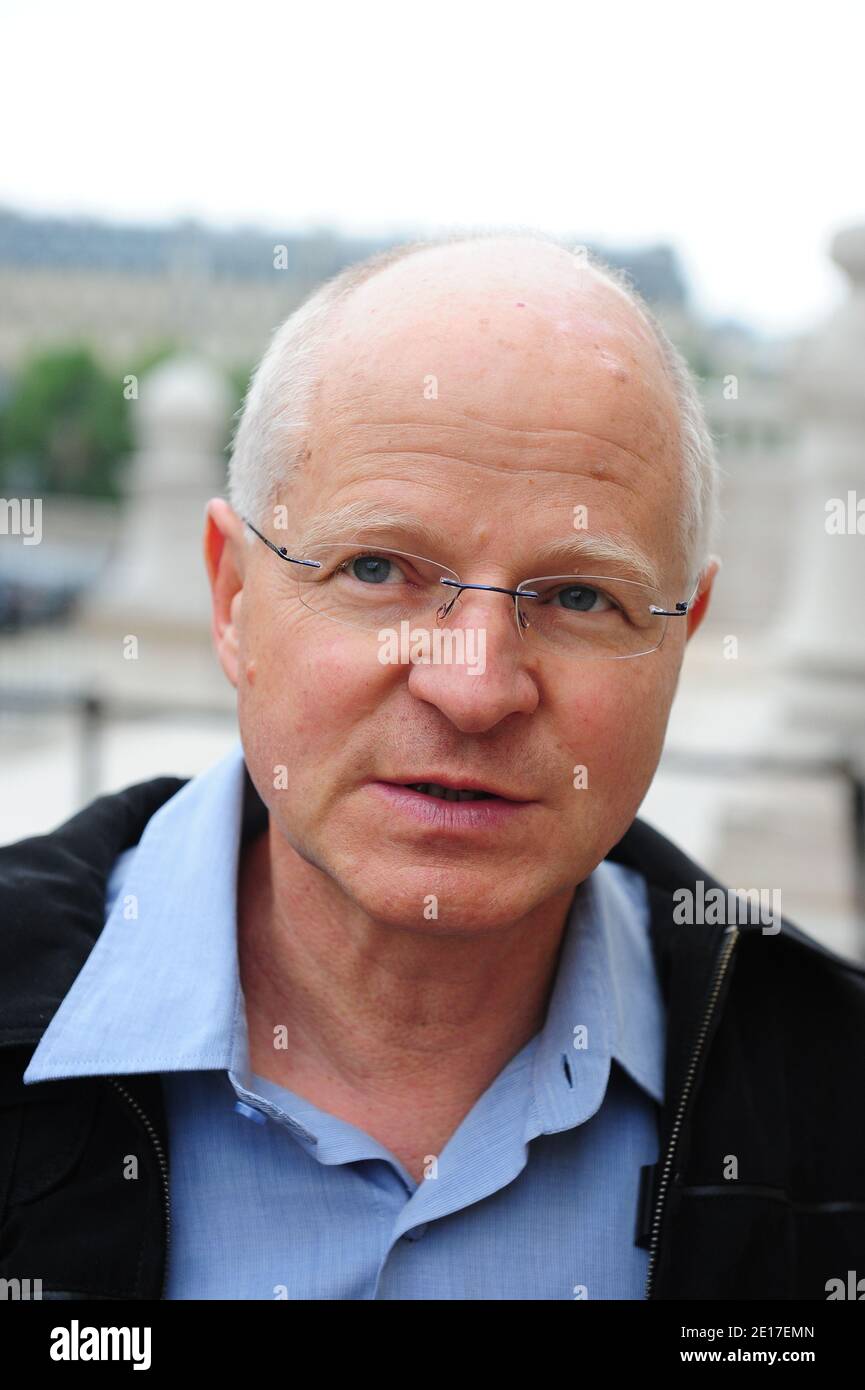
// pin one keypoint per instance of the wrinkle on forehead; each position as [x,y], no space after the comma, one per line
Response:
[421,387]
[523,451]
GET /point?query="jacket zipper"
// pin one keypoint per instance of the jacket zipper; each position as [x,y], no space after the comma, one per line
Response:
[163,1168]
[730,938]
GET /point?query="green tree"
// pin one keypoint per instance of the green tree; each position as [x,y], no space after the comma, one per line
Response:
[65,425]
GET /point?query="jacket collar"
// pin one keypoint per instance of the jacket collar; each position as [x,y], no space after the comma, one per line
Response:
[52,902]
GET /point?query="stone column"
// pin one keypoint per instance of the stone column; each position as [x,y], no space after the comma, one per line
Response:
[156,583]
[820,640]
[154,596]
[806,702]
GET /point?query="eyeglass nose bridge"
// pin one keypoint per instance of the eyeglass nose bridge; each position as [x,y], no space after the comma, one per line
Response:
[458,584]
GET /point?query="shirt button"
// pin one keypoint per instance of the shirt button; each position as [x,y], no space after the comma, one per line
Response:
[250,1112]
[416,1232]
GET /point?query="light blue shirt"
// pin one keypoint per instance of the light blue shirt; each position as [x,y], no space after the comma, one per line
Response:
[534,1195]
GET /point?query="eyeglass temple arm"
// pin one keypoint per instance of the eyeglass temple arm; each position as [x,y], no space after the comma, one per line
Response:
[281,551]
[681,608]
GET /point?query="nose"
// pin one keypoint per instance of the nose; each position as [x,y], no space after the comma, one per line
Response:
[484,671]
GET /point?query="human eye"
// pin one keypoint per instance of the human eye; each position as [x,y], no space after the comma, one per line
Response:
[582,598]
[371,568]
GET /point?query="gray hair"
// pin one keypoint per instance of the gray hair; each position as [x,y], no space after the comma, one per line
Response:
[274,419]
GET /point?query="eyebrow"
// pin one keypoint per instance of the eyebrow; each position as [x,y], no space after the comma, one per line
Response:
[604,548]
[572,553]
[342,522]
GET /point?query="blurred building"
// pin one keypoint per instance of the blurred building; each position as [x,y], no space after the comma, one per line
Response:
[125,288]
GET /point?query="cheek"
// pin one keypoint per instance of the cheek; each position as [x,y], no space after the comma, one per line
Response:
[306,688]
[613,723]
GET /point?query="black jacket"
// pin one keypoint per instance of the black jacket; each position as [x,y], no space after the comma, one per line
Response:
[765,1066]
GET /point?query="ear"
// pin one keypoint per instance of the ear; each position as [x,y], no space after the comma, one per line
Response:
[224,557]
[697,611]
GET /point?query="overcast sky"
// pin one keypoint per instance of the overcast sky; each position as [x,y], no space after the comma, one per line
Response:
[733,130]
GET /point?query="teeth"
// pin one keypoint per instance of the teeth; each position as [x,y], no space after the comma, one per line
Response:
[448,793]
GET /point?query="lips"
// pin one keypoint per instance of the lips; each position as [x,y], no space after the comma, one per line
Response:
[450,812]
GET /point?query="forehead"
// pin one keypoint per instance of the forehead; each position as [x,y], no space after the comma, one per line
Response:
[516,381]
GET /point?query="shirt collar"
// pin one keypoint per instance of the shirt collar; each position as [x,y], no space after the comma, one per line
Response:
[160,991]
[606,1002]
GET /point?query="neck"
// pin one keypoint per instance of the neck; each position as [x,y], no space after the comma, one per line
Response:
[373,1020]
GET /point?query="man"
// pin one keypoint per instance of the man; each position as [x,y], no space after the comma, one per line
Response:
[396,1001]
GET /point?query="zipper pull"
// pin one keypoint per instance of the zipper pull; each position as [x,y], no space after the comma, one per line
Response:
[645,1205]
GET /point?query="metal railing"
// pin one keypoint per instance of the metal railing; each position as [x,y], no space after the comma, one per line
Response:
[96,711]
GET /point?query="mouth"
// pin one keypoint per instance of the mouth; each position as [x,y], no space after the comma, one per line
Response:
[446,788]
[447,793]
[439,808]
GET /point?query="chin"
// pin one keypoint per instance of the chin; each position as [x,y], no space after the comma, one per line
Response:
[443,900]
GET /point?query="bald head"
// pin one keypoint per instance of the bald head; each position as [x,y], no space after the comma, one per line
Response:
[520,328]
[514,332]
[536,289]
